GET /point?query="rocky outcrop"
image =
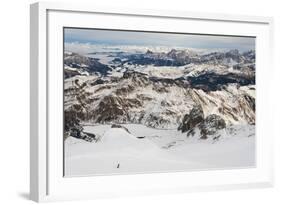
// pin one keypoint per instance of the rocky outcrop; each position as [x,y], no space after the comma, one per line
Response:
[73,128]
[211,125]
[207,127]
[192,119]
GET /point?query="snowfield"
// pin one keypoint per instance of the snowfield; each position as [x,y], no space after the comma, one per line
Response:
[149,150]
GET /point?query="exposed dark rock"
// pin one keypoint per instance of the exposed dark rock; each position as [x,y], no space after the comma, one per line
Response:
[117,60]
[89,137]
[133,74]
[234,55]
[115,109]
[192,119]
[250,55]
[91,65]
[126,90]
[251,101]
[120,126]
[245,67]
[212,81]
[195,120]
[211,125]
[70,73]
[109,109]
[149,52]
[71,119]
[98,82]
[160,89]
[73,128]
[154,120]
[181,82]
[138,78]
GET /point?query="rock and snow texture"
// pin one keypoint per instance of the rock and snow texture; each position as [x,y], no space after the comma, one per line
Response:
[156,109]
[159,103]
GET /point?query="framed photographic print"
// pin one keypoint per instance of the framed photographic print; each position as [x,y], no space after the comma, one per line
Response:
[129,102]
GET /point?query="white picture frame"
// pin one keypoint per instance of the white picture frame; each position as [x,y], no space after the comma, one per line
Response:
[46,179]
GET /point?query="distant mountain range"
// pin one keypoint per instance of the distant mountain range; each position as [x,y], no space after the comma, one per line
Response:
[160,89]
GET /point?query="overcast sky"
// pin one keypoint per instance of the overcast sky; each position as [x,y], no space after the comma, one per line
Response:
[94,36]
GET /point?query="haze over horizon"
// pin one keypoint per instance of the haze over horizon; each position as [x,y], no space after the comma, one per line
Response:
[139,38]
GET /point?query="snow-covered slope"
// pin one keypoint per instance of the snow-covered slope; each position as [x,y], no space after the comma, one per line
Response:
[119,152]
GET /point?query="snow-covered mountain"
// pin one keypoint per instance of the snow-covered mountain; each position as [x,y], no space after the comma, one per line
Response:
[156,102]
[159,89]
[75,64]
[137,109]
[179,60]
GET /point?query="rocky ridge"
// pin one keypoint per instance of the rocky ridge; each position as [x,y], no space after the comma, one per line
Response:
[211,91]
